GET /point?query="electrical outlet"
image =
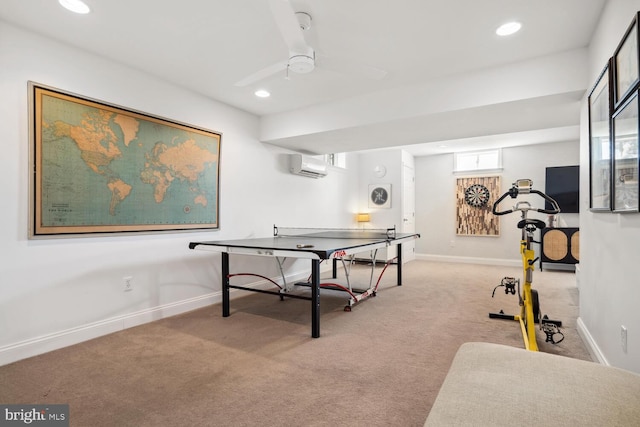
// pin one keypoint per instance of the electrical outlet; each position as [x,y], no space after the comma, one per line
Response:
[623,338]
[128,283]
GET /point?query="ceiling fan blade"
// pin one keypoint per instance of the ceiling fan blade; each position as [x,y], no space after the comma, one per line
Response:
[262,74]
[288,25]
[345,66]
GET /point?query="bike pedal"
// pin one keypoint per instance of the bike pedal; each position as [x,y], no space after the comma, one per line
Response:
[557,323]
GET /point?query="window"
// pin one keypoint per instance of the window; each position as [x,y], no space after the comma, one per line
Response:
[477,160]
[336,159]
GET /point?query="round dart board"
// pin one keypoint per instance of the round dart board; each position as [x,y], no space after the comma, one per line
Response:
[476,195]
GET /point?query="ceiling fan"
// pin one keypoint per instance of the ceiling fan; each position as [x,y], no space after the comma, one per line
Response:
[302,57]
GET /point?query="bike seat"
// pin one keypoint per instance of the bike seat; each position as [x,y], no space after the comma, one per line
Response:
[539,224]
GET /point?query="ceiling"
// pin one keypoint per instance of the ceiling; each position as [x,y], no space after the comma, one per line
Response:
[365,50]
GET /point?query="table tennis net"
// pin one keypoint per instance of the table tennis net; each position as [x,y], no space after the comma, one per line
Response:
[335,233]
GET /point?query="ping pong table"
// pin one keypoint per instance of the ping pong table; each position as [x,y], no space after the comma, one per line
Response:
[316,245]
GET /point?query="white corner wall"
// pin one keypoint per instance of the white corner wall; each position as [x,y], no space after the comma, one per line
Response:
[392,161]
[58,292]
[436,204]
[609,242]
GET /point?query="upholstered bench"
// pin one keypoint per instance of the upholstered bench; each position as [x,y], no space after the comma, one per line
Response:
[497,385]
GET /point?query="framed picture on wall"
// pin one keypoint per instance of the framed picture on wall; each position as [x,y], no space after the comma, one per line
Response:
[625,157]
[625,64]
[474,200]
[380,196]
[600,143]
[100,168]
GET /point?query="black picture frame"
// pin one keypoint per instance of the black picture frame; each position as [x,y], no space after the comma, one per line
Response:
[625,128]
[626,64]
[600,142]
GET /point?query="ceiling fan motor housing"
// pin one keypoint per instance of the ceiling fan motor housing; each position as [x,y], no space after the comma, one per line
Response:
[301,64]
[304,19]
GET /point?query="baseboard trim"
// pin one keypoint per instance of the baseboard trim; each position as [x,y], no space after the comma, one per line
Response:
[57,340]
[470,260]
[591,344]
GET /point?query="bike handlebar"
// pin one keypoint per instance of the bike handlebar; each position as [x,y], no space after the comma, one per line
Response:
[513,193]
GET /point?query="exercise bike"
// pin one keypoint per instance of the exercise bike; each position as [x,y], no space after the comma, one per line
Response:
[528,298]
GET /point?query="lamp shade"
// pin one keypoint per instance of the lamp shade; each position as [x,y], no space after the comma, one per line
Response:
[363,217]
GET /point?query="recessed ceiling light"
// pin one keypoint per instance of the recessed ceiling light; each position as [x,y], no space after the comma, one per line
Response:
[261,93]
[77,6]
[508,28]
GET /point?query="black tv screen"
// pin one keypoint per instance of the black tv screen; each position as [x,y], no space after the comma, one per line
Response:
[563,185]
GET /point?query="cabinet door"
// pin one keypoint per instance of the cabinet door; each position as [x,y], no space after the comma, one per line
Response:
[575,245]
[555,245]
[561,245]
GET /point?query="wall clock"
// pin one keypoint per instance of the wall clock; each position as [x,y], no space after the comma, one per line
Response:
[476,195]
[379,171]
[380,195]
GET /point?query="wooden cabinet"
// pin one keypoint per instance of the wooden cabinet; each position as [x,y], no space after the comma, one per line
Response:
[560,247]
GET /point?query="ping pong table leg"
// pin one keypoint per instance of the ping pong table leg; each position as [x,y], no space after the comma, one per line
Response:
[315,298]
[225,284]
[399,254]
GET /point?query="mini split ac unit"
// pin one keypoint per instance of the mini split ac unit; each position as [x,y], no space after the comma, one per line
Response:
[307,166]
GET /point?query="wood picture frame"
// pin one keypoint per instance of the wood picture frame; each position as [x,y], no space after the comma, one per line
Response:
[475,219]
[600,159]
[100,168]
[625,131]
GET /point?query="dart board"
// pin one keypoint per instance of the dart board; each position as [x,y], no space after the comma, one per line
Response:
[476,195]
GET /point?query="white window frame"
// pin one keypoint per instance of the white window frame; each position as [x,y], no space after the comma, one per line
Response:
[477,161]
[338,160]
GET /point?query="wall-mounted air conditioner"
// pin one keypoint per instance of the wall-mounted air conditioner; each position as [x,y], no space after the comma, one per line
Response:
[307,166]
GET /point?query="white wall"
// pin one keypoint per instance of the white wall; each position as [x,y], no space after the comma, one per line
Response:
[395,161]
[609,243]
[392,160]
[61,291]
[436,204]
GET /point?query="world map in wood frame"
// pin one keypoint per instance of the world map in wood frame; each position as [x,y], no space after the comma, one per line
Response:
[477,220]
[99,168]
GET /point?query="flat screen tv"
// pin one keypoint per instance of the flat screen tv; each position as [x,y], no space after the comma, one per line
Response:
[563,185]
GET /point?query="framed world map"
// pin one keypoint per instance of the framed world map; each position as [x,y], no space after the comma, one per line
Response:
[99,168]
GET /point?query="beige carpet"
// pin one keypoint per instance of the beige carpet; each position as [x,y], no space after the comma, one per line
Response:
[379,365]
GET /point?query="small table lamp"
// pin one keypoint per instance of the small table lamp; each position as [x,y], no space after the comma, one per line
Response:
[363,218]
